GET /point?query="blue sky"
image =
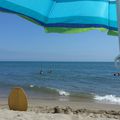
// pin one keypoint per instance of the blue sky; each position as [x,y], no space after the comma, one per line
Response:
[21,40]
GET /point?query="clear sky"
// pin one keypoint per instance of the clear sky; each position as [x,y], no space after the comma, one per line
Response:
[22,40]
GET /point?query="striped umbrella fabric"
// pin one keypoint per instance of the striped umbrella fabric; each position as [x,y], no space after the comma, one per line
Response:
[66,16]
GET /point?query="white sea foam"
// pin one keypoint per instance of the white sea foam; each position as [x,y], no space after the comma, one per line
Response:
[108,99]
[60,92]
[63,93]
[31,86]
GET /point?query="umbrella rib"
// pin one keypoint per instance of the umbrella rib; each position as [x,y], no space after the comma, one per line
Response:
[51,9]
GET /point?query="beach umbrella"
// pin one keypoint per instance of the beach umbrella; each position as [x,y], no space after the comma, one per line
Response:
[68,16]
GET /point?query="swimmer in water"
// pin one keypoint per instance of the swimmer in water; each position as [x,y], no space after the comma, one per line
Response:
[116,74]
[41,72]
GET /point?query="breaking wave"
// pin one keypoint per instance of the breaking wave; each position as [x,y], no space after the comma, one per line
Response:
[50,90]
[108,99]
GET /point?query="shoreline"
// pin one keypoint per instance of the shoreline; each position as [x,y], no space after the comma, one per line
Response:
[64,110]
[73,104]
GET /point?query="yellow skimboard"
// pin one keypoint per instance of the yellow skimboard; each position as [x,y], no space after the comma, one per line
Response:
[18,100]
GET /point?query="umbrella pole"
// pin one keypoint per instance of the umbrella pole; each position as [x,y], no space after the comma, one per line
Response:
[117,59]
[118,19]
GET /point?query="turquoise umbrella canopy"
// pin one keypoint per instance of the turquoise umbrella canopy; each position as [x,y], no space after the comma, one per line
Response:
[66,16]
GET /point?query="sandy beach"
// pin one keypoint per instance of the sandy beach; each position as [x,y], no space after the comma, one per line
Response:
[64,110]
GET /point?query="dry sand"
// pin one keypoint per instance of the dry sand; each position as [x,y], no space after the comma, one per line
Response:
[56,110]
[13,115]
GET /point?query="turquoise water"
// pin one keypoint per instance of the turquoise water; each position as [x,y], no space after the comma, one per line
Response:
[69,81]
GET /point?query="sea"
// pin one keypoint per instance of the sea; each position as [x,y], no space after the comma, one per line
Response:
[62,81]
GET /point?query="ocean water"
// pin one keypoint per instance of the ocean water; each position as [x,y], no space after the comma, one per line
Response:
[63,81]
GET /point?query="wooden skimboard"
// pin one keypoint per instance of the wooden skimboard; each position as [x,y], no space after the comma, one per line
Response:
[17,100]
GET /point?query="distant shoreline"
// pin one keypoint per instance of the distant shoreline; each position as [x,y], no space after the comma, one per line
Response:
[60,61]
